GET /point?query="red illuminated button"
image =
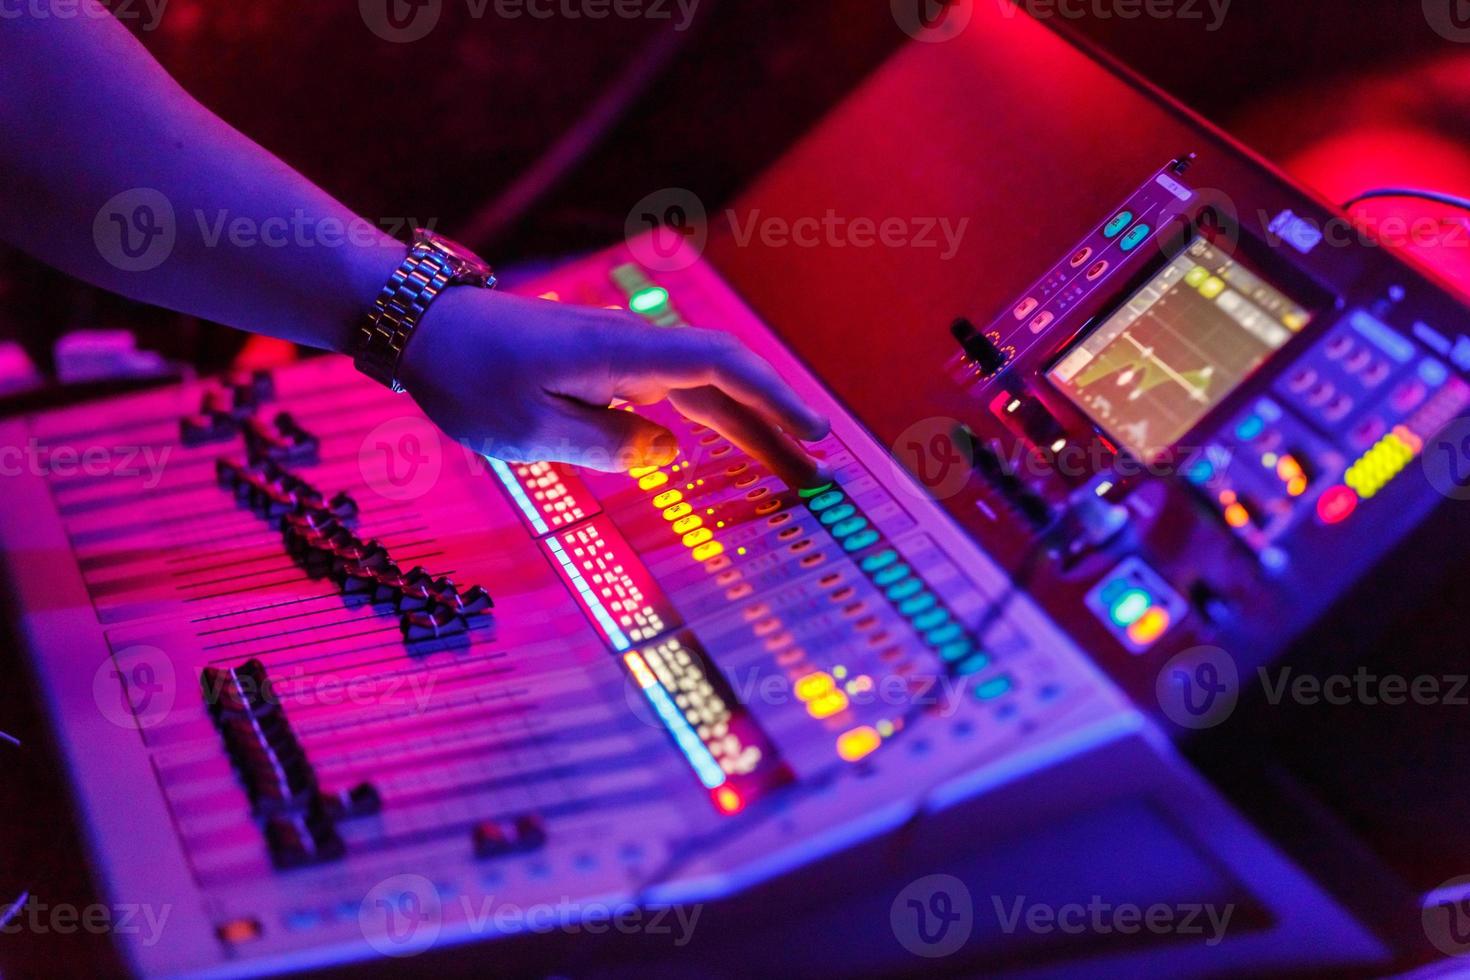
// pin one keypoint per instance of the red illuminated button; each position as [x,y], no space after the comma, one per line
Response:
[1082,256]
[1028,306]
[1336,504]
[1041,321]
[1098,268]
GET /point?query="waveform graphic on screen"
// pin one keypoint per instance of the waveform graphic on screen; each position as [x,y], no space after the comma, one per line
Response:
[1177,348]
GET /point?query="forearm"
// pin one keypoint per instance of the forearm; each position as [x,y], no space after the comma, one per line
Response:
[86,114]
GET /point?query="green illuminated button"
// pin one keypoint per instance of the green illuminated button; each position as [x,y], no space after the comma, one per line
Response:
[839,513]
[893,573]
[810,492]
[1136,237]
[1115,227]
[956,651]
[932,619]
[881,560]
[651,301]
[993,688]
[972,665]
[1129,607]
[947,633]
[904,589]
[850,526]
[861,540]
[828,499]
[916,605]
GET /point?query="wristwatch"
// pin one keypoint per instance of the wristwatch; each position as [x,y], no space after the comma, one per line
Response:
[434,264]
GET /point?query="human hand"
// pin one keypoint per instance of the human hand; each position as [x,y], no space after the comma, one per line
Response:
[524,379]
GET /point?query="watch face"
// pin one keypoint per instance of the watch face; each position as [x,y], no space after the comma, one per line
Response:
[472,264]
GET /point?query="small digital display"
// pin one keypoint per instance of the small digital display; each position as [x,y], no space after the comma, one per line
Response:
[1180,345]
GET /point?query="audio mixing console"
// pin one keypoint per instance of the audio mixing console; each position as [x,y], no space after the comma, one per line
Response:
[329,686]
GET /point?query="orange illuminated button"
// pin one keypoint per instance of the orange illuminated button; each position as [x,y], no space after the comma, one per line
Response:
[238,931]
[728,800]
[827,705]
[1336,504]
[857,743]
[1149,627]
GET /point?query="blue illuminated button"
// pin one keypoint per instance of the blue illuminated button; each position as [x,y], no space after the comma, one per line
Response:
[972,665]
[893,573]
[932,619]
[993,688]
[917,604]
[958,650]
[904,589]
[1115,227]
[825,500]
[861,540]
[944,634]
[1200,472]
[881,560]
[850,526]
[1433,373]
[1136,237]
[839,513]
[1250,428]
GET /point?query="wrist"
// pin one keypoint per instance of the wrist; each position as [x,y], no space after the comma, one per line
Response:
[366,270]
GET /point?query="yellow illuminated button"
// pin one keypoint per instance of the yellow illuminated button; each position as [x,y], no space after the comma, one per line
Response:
[653,480]
[668,498]
[677,511]
[1195,278]
[857,743]
[639,472]
[1149,627]
[1212,287]
[696,538]
[827,705]
[814,685]
[708,550]
[687,524]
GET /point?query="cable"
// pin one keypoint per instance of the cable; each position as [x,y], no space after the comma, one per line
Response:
[1450,200]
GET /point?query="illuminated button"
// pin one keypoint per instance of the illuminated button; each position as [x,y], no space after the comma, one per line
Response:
[1301,380]
[1196,277]
[686,524]
[1336,504]
[1149,627]
[1212,287]
[638,472]
[858,743]
[917,604]
[1041,321]
[829,499]
[1083,254]
[850,526]
[956,651]
[728,800]
[904,589]
[1250,428]
[839,513]
[813,686]
[677,511]
[1098,268]
[1028,306]
[972,665]
[1368,431]
[943,634]
[827,705]
[1135,238]
[1341,407]
[1322,394]
[1120,221]
[653,480]
[1433,373]
[651,301]
[238,931]
[1376,375]
[708,550]
[932,619]
[668,498]
[1129,607]
[1201,471]
[861,540]
[809,492]
[1409,395]
[695,538]
[889,574]
[993,688]
[881,560]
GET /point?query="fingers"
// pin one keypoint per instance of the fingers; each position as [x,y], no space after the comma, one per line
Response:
[751,433]
[606,439]
[645,357]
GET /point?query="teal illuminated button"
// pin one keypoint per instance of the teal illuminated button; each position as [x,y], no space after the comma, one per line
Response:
[1111,592]
[861,540]
[917,604]
[839,513]
[932,619]
[1129,606]
[650,301]
[881,560]
[1136,237]
[810,492]
[947,633]
[1249,428]
[972,665]
[1200,472]
[850,526]
[956,651]
[1115,227]
[893,573]
[904,589]
[993,688]
[828,499]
